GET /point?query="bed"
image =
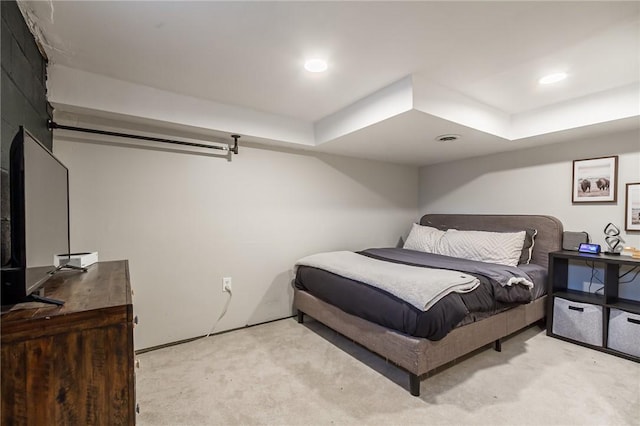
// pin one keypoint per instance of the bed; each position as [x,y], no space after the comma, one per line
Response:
[400,336]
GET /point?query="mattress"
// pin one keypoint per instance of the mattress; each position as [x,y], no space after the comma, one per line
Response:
[455,309]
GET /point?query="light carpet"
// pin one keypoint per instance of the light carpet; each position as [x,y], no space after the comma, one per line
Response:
[285,373]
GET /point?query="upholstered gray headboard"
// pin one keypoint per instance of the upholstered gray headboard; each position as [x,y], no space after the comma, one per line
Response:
[548,239]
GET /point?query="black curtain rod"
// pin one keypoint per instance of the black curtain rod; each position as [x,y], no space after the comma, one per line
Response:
[53,125]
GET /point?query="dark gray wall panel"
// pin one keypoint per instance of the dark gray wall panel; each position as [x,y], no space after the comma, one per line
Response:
[24,97]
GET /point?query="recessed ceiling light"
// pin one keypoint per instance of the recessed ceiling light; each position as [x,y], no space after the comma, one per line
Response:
[315,65]
[553,78]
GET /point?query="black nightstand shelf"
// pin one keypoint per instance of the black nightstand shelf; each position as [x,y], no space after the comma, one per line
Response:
[625,305]
[603,322]
[580,296]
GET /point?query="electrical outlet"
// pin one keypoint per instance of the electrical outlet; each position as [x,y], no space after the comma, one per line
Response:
[226,284]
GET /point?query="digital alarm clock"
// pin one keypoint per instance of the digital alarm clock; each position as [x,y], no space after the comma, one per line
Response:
[589,248]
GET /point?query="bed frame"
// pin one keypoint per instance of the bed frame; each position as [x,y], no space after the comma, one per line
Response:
[418,355]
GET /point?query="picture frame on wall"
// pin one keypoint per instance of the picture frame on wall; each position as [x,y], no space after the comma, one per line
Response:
[632,207]
[595,180]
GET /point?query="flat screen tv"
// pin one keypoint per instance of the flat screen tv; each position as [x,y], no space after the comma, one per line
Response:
[39,191]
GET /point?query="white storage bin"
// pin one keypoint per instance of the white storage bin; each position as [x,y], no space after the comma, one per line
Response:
[577,321]
[624,332]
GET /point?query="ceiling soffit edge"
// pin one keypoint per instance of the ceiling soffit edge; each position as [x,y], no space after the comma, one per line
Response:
[75,90]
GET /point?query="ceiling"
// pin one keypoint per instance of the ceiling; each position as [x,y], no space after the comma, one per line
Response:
[400,73]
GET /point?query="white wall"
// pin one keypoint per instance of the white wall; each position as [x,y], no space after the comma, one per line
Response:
[185,220]
[538,181]
[534,181]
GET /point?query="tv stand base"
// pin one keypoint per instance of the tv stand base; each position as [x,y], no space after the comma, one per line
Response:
[37,298]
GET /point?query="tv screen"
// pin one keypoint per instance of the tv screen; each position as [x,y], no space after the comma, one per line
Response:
[39,185]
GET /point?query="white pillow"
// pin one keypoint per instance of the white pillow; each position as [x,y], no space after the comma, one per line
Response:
[423,238]
[494,247]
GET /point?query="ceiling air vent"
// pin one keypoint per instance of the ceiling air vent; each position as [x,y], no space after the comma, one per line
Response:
[447,138]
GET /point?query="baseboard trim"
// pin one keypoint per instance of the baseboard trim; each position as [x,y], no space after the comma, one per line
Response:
[191,339]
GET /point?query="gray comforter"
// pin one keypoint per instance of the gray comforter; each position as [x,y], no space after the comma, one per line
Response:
[514,284]
[383,308]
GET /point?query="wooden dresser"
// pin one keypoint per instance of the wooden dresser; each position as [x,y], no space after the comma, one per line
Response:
[72,364]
